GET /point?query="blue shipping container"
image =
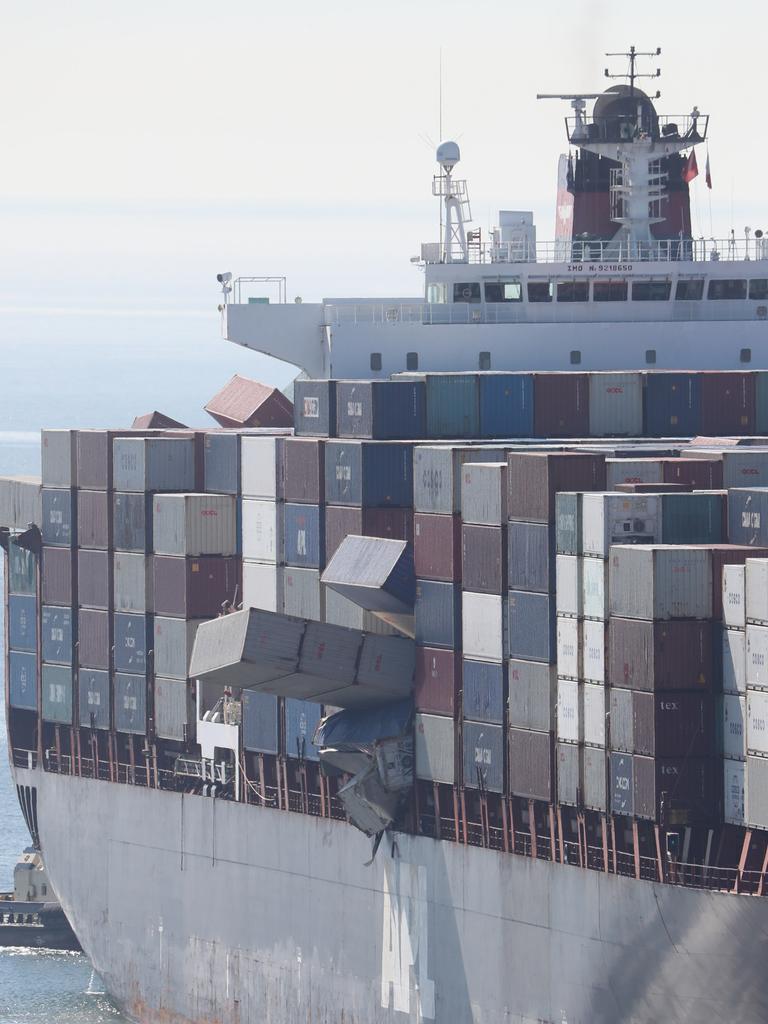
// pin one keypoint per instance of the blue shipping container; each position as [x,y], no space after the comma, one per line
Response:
[132,522]
[57,635]
[453,405]
[22,570]
[437,614]
[58,517]
[94,698]
[672,404]
[301,720]
[369,474]
[748,516]
[314,407]
[304,536]
[568,522]
[532,626]
[381,409]
[22,623]
[222,463]
[131,643]
[260,722]
[483,756]
[22,681]
[531,556]
[483,691]
[57,694]
[506,404]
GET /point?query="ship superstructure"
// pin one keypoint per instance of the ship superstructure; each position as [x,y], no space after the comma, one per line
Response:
[449,703]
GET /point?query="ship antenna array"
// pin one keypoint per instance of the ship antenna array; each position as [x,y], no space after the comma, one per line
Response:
[632,54]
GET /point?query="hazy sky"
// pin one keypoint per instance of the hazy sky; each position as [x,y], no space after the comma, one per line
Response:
[149,145]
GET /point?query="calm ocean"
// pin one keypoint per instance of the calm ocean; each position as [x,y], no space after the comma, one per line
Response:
[121,368]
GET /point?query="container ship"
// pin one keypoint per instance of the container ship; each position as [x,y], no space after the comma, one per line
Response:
[440,694]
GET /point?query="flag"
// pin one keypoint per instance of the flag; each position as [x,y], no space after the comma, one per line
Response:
[690,167]
[707,175]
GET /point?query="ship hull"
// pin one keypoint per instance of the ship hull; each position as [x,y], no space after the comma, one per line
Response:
[199,910]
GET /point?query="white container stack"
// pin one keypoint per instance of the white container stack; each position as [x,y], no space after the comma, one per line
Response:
[734,697]
[755,616]
[262,493]
[570,681]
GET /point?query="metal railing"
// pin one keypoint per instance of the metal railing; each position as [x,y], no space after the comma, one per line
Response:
[690,128]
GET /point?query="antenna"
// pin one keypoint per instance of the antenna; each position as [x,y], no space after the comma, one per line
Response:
[632,56]
[440,97]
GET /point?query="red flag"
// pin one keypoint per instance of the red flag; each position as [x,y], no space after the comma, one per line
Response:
[690,167]
[707,175]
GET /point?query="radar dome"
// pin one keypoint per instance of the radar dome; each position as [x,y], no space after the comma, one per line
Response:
[448,155]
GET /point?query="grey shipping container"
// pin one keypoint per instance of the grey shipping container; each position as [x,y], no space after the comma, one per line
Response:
[222,462]
[569,789]
[194,588]
[531,764]
[622,731]
[437,614]
[154,463]
[531,557]
[94,459]
[304,595]
[314,407]
[93,641]
[131,638]
[633,471]
[437,475]
[304,470]
[194,524]
[532,626]
[483,559]
[383,409]
[260,722]
[57,576]
[174,709]
[132,522]
[20,502]
[57,694]
[435,749]
[483,756]
[656,582]
[93,519]
[667,655]
[615,404]
[130,704]
[173,642]
[58,451]
[534,478]
[21,567]
[246,648]
[757,791]
[370,474]
[56,635]
[437,547]
[301,720]
[58,528]
[594,778]
[622,784]
[94,579]
[22,623]
[387,665]
[484,493]
[22,680]
[532,695]
[132,582]
[374,572]
[304,535]
[568,525]
[748,516]
[93,689]
[484,691]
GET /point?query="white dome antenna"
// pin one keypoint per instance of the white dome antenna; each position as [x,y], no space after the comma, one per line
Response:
[448,155]
[455,211]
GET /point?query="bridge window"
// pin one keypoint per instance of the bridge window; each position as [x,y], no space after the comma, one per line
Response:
[466,291]
[758,288]
[539,291]
[376,361]
[691,290]
[651,291]
[727,289]
[504,291]
[573,291]
[745,355]
[650,355]
[609,291]
[484,361]
[575,357]
[411,360]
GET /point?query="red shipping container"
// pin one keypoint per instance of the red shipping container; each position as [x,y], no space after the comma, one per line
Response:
[438,681]
[195,588]
[669,655]
[727,403]
[699,474]
[247,403]
[57,575]
[561,404]
[437,547]
[534,478]
[93,639]
[94,580]
[344,520]
[484,559]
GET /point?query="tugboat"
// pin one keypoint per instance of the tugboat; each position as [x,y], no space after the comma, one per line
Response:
[31,914]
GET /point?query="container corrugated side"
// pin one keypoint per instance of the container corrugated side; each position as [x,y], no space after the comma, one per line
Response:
[133,583]
[262,467]
[94,519]
[260,722]
[263,530]
[437,475]
[561,404]
[532,632]
[622,720]
[593,652]
[59,520]
[483,559]
[735,792]
[56,632]
[174,709]
[757,656]
[633,471]
[173,643]
[437,614]
[484,493]
[57,576]
[263,585]
[757,721]
[131,643]
[304,536]
[672,404]
[652,582]
[194,588]
[568,591]
[57,691]
[621,519]
[381,409]
[621,775]
[132,522]
[531,764]
[304,460]
[301,719]
[732,719]
[595,708]
[22,623]
[484,626]
[506,404]
[22,680]
[303,593]
[153,463]
[221,454]
[534,478]
[435,748]
[594,776]
[59,458]
[734,654]
[531,557]
[437,547]
[93,647]
[438,680]
[532,703]
[569,773]
[734,596]
[453,405]
[130,703]
[483,746]
[569,647]
[594,588]
[748,516]
[21,566]
[570,713]
[93,690]
[314,407]
[484,691]
[615,404]
[94,579]
[667,655]
[194,524]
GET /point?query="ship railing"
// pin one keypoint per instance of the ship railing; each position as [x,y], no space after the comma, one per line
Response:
[605,254]
[24,758]
[688,128]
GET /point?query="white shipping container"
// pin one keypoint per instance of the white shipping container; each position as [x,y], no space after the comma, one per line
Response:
[615,404]
[734,595]
[757,656]
[568,647]
[484,493]
[757,721]
[484,626]
[568,584]
[651,581]
[734,734]
[594,588]
[633,471]
[133,582]
[756,572]
[734,661]
[569,716]
[58,458]
[593,650]
[194,524]
[262,530]
[435,748]
[735,792]
[263,586]
[618,519]
[594,714]
[262,467]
